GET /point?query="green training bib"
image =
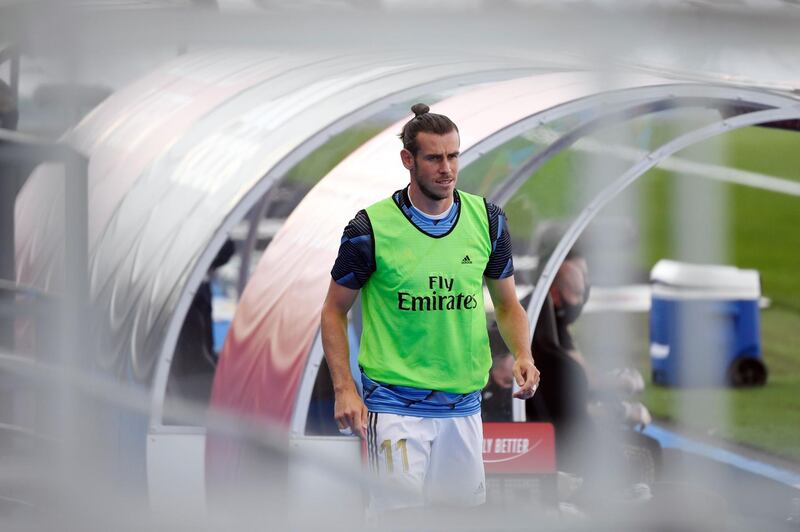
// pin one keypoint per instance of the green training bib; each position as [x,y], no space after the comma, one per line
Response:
[424,323]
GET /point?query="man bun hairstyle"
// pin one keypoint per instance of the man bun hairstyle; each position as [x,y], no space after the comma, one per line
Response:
[424,121]
[419,109]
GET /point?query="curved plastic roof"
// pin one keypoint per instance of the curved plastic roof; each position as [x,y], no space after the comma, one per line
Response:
[178,158]
[276,324]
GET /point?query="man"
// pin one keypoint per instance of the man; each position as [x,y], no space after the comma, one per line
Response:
[576,398]
[563,399]
[9,111]
[496,396]
[195,359]
[569,293]
[419,259]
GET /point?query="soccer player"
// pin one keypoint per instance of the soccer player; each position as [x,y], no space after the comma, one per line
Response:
[419,259]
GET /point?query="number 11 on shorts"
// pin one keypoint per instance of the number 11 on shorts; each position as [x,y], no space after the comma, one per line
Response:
[386,449]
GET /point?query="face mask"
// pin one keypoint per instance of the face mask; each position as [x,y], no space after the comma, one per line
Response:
[570,312]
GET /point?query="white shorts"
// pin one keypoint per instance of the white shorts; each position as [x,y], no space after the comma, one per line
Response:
[421,461]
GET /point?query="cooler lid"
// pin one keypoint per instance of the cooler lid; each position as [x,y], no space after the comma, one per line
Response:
[705,280]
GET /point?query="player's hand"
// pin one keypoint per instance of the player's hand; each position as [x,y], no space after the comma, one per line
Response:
[351,413]
[527,377]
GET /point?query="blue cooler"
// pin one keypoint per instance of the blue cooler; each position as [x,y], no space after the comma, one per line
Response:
[718,307]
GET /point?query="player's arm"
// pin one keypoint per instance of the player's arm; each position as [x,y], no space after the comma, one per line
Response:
[349,409]
[512,321]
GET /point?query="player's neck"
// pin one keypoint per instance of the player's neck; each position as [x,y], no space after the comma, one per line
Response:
[426,204]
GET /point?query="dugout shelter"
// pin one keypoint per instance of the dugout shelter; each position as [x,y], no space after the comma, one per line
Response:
[180,158]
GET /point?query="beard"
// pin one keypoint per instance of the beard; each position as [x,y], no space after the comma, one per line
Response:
[427,192]
[431,194]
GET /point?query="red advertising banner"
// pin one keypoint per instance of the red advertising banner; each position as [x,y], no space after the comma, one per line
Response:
[519,448]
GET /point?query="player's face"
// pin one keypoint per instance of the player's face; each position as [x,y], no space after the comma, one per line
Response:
[434,170]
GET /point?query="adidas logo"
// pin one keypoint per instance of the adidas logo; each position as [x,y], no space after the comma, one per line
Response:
[466,260]
[479,490]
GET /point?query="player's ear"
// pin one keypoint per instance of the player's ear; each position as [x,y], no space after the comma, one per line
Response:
[408,159]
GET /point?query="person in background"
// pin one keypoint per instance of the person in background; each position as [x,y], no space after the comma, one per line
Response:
[195,359]
[9,112]
[577,399]
[496,395]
